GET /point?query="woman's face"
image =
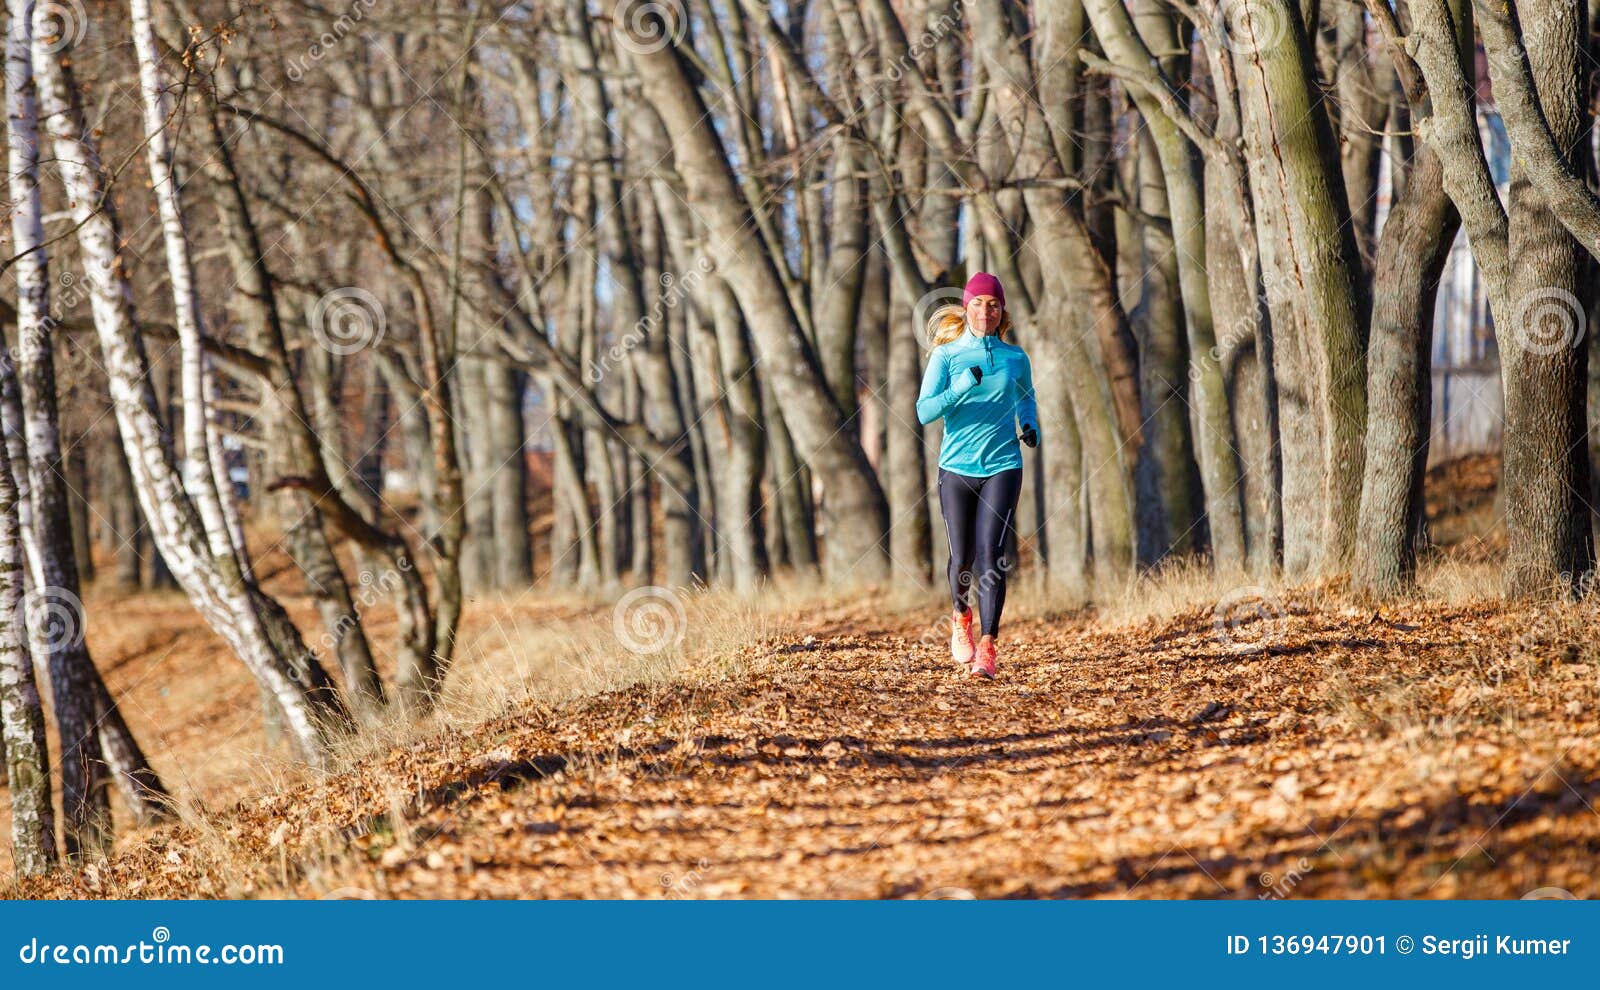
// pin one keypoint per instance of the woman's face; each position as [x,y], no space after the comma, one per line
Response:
[983,314]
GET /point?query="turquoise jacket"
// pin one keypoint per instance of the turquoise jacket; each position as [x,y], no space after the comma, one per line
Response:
[980,419]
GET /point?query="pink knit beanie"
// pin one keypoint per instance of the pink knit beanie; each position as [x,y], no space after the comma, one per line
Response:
[983,284]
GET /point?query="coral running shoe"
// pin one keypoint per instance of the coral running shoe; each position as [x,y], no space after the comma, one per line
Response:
[983,663]
[961,636]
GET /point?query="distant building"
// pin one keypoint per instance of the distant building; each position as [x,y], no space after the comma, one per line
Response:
[1468,406]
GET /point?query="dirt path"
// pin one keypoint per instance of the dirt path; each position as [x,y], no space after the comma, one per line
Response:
[1356,755]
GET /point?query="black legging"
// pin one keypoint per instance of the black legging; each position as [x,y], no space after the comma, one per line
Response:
[978,516]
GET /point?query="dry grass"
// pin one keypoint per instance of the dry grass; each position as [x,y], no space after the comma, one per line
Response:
[532,650]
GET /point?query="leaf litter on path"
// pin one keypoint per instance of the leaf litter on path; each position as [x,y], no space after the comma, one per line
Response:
[1427,751]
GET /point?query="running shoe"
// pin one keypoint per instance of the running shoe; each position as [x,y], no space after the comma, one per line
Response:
[961,636]
[983,663]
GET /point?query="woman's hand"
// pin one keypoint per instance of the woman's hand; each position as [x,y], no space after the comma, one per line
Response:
[1030,436]
[965,381]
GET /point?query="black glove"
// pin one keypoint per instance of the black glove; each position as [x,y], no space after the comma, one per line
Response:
[1030,436]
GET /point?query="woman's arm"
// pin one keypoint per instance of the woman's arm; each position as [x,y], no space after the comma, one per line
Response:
[1027,409]
[937,395]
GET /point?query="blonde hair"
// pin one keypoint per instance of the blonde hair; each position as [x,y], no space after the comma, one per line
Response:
[950,320]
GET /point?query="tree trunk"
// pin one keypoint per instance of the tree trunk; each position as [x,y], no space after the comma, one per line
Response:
[1290,136]
[297,681]
[1167,503]
[124,521]
[789,481]
[854,511]
[54,609]
[296,453]
[22,727]
[471,421]
[508,441]
[1546,468]
[1412,250]
[739,478]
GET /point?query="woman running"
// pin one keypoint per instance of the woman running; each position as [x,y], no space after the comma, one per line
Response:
[983,387]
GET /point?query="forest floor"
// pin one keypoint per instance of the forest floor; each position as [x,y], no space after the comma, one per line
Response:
[1201,741]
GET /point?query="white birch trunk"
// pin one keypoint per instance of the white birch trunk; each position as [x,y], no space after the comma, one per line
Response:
[22,726]
[33,833]
[85,807]
[197,468]
[222,597]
